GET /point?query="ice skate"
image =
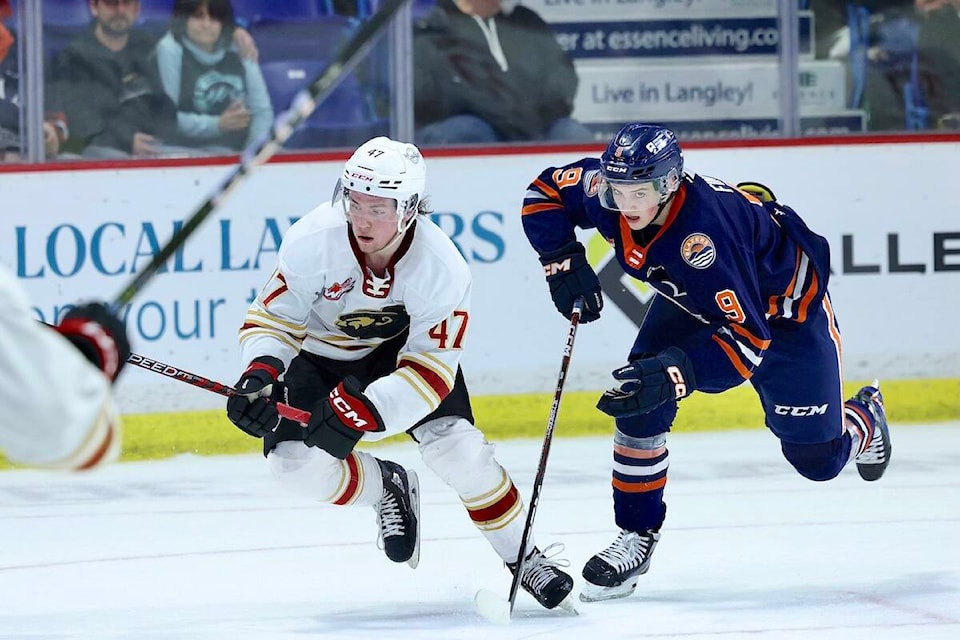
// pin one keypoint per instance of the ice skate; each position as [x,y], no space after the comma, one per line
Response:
[398,513]
[874,460]
[543,579]
[614,572]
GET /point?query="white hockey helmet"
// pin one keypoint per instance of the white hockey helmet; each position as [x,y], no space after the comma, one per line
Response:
[389,169]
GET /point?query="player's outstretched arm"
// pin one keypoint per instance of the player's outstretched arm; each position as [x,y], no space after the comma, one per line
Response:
[57,405]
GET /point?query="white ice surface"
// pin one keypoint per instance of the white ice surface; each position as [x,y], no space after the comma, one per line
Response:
[212,548]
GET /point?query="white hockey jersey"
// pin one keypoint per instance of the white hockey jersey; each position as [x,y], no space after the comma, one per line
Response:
[56,408]
[323,299]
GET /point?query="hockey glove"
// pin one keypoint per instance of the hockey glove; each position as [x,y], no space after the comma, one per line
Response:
[339,421]
[99,335]
[570,276]
[253,409]
[649,383]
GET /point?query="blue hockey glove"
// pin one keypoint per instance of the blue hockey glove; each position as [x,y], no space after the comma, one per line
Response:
[649,383]
[570,276]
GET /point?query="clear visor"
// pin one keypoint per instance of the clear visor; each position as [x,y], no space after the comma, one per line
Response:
[374,208]
[636,194]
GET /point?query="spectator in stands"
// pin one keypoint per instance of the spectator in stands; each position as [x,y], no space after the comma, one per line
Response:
[879,45]
[222,100]
[108,84]
[54,128]
[489,71]
[940,55]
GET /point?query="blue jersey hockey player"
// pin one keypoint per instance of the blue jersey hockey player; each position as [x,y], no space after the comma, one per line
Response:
[742,286]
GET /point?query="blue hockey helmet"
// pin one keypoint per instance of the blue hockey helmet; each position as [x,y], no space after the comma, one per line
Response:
[641,153]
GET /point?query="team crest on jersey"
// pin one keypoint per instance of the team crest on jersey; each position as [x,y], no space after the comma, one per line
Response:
[367,324]
[338,289]
[698,251]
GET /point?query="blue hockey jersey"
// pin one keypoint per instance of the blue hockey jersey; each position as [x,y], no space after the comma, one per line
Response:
[745,269]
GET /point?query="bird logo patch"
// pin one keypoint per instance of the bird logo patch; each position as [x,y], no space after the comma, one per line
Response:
[337,289]
[698,251]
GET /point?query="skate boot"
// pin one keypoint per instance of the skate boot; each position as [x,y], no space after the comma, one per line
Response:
[398,513]
[542,577]
[614,572]
[873,461]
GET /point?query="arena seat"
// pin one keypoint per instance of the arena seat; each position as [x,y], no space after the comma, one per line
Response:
[254,11]
[318,39]
[65,13]
[346,118]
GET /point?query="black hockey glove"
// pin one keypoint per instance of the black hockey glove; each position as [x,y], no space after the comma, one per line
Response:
[570,276]
[339,421]
[254,408]
[99,335]
[649,383]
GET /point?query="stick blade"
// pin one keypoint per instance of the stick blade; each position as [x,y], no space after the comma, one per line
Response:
[492,607]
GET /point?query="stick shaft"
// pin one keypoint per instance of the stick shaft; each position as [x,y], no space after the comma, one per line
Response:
[545,450]
[170,371]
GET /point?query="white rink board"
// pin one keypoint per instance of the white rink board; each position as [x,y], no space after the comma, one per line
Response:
[895,325]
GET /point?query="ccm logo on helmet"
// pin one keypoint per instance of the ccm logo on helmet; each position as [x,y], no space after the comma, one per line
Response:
[610,168]
[800,412]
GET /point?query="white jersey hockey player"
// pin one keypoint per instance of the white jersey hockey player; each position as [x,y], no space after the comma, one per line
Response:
[55,383]
[363,322]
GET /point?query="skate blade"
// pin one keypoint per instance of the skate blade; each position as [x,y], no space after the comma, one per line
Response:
[567,605]
[415,504]
[596,593]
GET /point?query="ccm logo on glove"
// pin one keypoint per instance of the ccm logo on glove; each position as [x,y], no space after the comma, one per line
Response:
[556,267]
[569,277]
[679,385]
[339,421]
[360,418]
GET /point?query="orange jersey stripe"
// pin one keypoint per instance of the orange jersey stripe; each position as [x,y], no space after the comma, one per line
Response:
[734,358]
[639,454]
[759,343]
[549,191]
[540,206]
[639,487]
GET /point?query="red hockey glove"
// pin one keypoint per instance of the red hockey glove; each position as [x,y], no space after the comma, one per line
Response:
[99,335]
[339,421]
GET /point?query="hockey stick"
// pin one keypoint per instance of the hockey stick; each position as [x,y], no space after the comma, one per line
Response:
[302,105]
[488,604]
[285,410]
